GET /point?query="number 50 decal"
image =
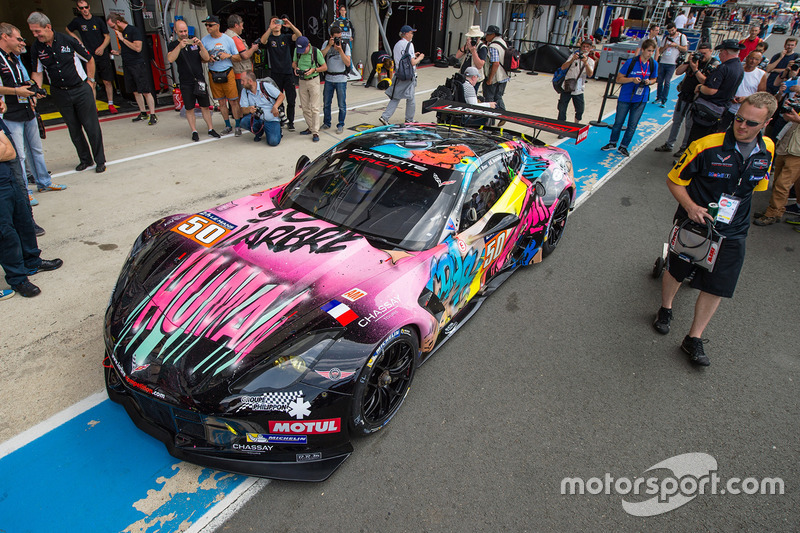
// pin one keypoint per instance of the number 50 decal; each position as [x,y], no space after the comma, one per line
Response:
[201,230]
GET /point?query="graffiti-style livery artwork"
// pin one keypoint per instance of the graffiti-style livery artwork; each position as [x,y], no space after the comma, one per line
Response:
[261,335]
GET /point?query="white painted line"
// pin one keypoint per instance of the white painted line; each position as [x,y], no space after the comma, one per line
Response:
[228,506]
[190,144]
[31,434]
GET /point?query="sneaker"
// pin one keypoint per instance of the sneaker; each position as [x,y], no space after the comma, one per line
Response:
[5,294]
[46,266]
[662,104]
[662,321]
[227,130]
[325,127]
[305,132]
[52,187]
[213,133]
[32,200]
[383,120]
[793,210]
[623,151]
[793,222]
[339,129]
[112,109]
[153,120]
[664,148]
[138,118]
[290,127]
[257,138]
[694,347]
[27,289]
[679,153]
[315,138]
[195,136]
[766,221]
[609,146]
[82,166]
[38,229]
[237,132]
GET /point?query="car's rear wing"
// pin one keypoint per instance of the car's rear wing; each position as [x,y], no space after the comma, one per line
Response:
[574,130]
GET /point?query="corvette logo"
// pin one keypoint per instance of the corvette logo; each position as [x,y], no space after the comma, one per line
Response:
[723,159]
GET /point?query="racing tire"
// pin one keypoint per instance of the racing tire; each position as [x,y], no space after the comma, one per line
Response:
[384,382]
[558,221]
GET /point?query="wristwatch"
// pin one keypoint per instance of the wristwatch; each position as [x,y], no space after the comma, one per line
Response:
[90,79]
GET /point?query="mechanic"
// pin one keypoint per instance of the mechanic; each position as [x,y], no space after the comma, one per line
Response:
[308,62]
[474,51]
[20,116]
[403,89]
[579,66]
[62,58]
[786,170]
[716,93]
[234,31]
[261,102]
[188,54]
[222,53]
[494,86]
[673,44]
[92,33]
[19,251]
[723,168]
[337,57]
[696,73]
[135,65]
[279,52]
[636,76]
[779,62]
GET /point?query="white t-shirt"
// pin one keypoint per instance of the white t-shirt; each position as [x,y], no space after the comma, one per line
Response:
[680,21]
[690,22]
[573,70]
[670,54]
[748,86]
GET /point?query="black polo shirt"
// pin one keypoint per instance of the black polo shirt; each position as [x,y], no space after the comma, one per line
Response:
[11,76]
[280,50]
[189,63]
[726,78]
[130,56]
[62,61]
[93,32]
[690,80]
[712,166]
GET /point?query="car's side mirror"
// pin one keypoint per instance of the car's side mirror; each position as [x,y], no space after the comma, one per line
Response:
[497,223]
[539,189]
[302,161]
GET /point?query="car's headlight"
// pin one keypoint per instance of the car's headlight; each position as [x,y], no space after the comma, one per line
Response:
[288,364]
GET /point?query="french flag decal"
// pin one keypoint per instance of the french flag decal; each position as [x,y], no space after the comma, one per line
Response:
[340,312]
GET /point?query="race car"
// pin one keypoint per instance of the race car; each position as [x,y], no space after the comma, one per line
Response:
[261,335]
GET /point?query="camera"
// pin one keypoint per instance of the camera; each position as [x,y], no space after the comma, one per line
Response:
[474,41]
[37,91]
[580,54]
[795,67]
[337,41]
[258,113]
[697,57]
[789,105]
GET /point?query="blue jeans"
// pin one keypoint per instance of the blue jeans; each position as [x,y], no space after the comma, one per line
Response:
[665,72]
[494,93]
[327,97]
[19,252]
[270,128]
[26,135]
[623,108]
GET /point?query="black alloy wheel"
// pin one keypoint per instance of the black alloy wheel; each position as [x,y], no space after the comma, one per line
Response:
[384,382]
[555,230]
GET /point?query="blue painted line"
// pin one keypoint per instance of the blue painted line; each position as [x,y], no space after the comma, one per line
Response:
[98,472]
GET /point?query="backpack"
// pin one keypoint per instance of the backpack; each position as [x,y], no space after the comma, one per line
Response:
[558,79]
[650,67]
[510,58]
[405,70]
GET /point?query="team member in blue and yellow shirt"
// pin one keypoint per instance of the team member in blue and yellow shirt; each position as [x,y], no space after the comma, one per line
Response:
[723,168]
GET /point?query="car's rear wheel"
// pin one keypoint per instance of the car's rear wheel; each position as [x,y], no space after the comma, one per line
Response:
[555,229]
[384,382]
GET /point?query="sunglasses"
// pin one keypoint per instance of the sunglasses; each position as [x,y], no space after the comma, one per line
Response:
[750,123]
[83,7]
[210,24]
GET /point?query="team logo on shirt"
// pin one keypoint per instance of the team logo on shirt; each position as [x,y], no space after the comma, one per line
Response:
[65,49]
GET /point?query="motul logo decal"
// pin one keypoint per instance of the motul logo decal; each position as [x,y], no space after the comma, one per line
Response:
[308,427]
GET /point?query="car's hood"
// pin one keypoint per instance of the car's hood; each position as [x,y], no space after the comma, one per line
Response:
[211,314]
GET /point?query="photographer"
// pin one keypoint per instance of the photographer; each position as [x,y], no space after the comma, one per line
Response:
[307,64]
[697,68]
[188,53]
[579,66]
[261,102]
[279,51]
[337,57]
[474,51]
[673,45]
[20,97]
[780,62]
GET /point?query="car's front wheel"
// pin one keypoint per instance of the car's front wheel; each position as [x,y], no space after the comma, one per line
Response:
[384,382]
[555,229]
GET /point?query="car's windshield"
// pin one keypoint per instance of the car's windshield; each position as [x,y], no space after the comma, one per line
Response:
[393,202]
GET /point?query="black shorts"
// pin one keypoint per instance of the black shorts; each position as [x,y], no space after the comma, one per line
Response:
[138,78]
[189,98]
[720,282]
[103,68]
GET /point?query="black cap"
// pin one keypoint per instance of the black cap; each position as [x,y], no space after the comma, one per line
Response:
[211,18]
[704,46]
[493,30]
[729,44]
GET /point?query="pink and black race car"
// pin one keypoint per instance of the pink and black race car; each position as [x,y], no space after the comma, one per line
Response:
[260,335]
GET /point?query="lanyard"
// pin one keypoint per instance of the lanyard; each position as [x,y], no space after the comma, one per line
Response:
[16,67]
[645,71]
